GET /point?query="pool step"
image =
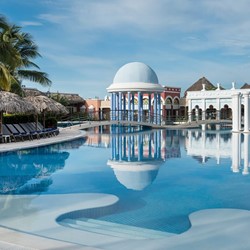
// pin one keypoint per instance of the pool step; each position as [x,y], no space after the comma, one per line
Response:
[114,229]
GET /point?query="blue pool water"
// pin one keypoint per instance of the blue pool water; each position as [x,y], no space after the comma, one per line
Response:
[159,176]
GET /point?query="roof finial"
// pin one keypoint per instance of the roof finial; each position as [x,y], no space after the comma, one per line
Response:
[203,87]
[233,85]
[218,86]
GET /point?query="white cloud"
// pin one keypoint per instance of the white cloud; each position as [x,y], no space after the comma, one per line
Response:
[168,35]
[30,23]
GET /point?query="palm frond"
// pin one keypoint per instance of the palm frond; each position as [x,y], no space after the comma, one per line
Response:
[35,76]
[6,78]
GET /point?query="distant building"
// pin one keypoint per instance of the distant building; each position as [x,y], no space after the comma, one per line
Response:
[210,102]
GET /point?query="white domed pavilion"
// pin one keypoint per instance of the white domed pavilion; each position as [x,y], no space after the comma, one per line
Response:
[136,94]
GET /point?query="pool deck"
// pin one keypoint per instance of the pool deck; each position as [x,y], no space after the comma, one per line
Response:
[211,229]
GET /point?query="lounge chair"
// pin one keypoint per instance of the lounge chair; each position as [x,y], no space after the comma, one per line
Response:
[9,135]
[25,134]
[38,131]
[29,130]
[51,131]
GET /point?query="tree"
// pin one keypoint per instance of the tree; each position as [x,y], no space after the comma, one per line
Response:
[59,98]
[17,50]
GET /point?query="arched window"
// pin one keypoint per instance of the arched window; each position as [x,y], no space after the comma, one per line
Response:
[168,100]
[176,101]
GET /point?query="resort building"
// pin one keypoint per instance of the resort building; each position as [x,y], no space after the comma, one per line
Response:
[220,104]
[98,108]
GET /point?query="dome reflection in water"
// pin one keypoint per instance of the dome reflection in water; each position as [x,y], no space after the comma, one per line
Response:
[136,157]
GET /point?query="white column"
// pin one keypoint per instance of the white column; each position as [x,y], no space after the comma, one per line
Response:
[218,110]
[236,112]
[246,112]
[203,110]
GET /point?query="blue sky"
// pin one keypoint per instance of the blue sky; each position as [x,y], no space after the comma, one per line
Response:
[84,42]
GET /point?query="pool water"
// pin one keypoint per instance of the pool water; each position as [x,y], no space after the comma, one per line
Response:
[160,176]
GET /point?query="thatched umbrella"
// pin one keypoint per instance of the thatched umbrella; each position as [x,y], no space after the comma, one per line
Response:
[12,103]
[45,104]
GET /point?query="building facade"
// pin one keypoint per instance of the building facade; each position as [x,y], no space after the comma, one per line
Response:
[220,104]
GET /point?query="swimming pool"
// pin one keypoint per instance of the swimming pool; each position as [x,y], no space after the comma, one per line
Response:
[159,176]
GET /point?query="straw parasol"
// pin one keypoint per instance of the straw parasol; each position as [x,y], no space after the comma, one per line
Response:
[13,103]
[45,104]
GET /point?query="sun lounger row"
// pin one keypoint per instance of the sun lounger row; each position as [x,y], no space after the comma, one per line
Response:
[25,131]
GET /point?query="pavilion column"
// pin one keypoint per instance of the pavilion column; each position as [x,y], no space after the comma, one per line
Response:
[124,107]
[139,106]
[236,112]
[112,106]
[133,106]
[129,106]
[116,106]
[159,109]
[149,108]
[155,108]
[120,106]
[246,112]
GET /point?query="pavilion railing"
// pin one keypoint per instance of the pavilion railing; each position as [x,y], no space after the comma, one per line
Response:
[152,118]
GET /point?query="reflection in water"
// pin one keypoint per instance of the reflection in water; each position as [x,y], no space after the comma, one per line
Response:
[137,156]
[204,145]
[29,170]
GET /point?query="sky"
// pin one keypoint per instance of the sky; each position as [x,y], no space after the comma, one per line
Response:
[84,42]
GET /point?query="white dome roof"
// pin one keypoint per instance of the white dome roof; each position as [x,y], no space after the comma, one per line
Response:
[135,72]
[135,76]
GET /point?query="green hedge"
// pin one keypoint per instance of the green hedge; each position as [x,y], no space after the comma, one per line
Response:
[18,118]
[12,119]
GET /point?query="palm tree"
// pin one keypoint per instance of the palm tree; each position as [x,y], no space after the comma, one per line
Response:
[17,49]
